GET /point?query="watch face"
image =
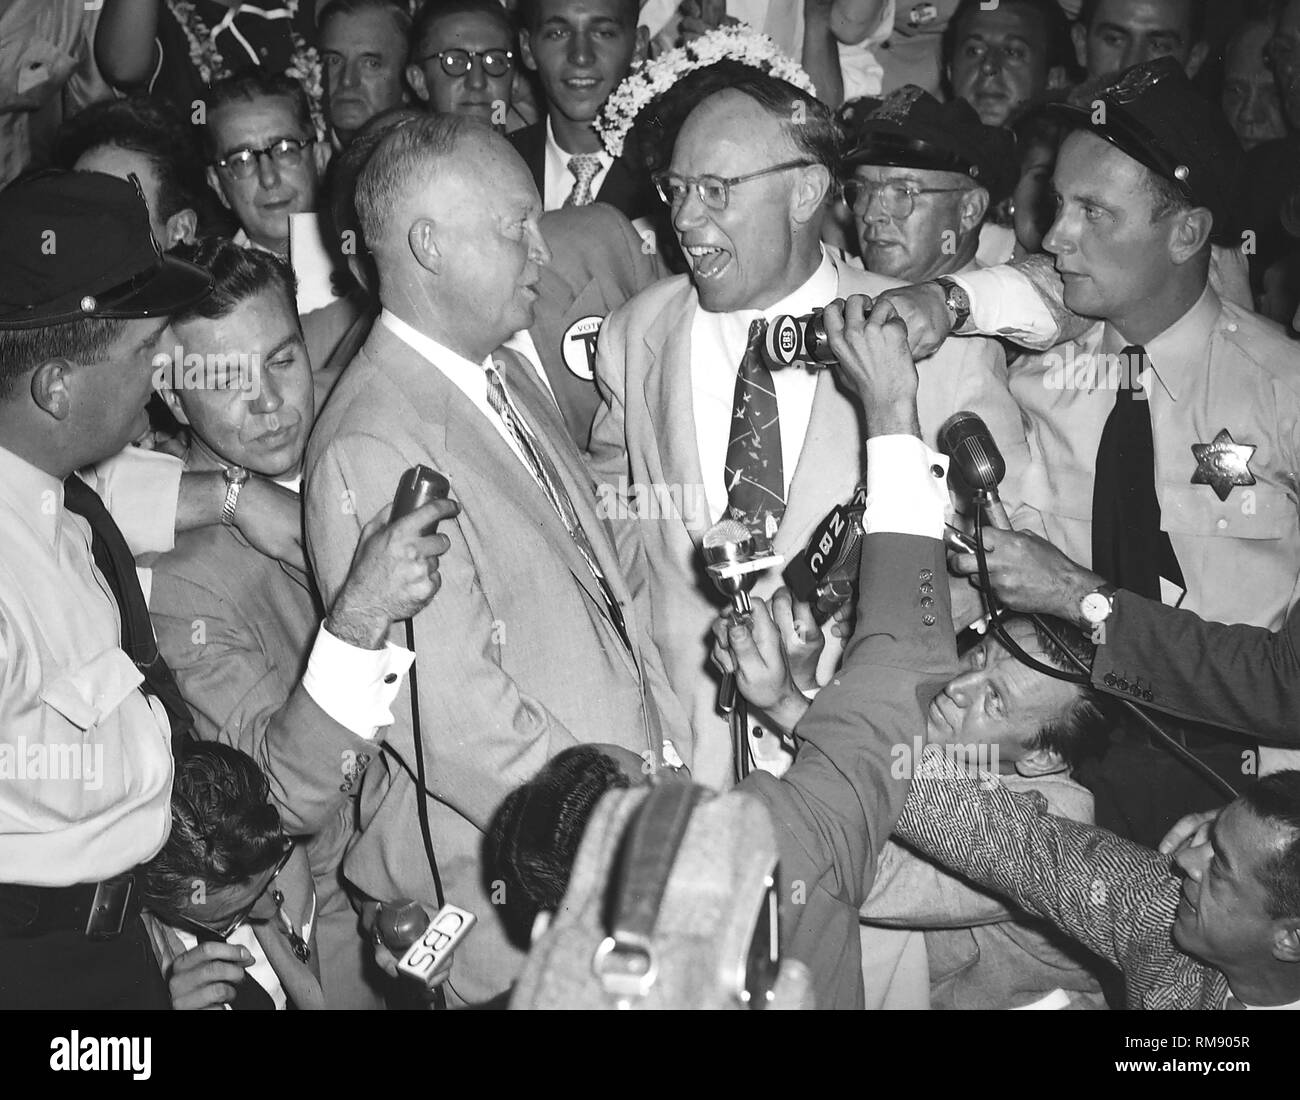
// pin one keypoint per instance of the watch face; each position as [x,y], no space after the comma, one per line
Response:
[1095,607]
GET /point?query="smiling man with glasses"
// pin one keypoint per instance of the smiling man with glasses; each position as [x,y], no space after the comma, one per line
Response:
[689,405]
[264,160]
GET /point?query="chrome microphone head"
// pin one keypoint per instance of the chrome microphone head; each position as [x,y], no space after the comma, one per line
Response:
[729,542]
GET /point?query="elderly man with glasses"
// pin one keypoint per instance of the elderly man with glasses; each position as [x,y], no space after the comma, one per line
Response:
[695,420]
[264,160]
[921,178]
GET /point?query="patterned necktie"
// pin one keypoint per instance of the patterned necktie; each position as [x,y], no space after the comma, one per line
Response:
[1128,547]
[115,562]
[754,472]
[548,477]
[585,167]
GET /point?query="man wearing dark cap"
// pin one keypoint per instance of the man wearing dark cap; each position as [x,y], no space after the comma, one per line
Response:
[1161,420]
[87,707]
[924,175]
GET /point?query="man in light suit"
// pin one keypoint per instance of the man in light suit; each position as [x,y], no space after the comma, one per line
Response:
[598,261]
[534,644]
[307,700]
[667,362]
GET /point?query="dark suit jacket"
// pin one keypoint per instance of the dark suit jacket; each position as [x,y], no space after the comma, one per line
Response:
[598,262]
[633,197]
[516,656]
[1243,678]
[837,804]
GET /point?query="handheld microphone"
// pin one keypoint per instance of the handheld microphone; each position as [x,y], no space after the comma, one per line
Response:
[422,943]
[733,566]
[825,572]
[416,488]
[980,467]
[801,341]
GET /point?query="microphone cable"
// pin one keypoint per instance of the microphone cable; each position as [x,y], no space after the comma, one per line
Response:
[1084,676]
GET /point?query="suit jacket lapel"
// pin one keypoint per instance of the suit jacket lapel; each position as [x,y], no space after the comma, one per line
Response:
[548,427]
[668,394]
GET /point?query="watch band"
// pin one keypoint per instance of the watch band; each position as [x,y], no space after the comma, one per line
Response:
[957,301]
[236,478]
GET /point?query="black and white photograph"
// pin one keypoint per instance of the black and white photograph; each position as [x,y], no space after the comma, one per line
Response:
[613,505]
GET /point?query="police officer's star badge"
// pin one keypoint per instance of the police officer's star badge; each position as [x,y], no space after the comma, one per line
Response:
[1222,464]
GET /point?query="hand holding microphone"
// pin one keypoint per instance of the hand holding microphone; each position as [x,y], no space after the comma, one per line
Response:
[394,572]
[870,344]
[408,943]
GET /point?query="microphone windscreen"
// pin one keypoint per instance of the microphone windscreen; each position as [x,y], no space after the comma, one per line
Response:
[726,531]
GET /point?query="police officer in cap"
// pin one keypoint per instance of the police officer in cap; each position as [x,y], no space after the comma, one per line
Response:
[921,177]
[88,710]
[1165,456]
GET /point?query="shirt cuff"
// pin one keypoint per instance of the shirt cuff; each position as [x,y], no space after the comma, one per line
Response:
[907,487]
[356,687]
[1003,302]
[140,489]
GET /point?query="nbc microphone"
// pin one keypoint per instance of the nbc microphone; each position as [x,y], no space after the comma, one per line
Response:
[980,467]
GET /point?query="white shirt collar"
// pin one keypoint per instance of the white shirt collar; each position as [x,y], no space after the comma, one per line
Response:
[558,180]
[468,376]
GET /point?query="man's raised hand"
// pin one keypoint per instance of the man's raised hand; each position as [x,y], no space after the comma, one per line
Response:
[874,361]
[394,574]
[924,310]
[1028,573]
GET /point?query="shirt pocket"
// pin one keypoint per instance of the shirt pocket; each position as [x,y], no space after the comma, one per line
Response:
[87,695]
[1250,512]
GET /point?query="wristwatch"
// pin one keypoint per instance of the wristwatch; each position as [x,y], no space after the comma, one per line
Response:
[1096,606]
[957,301]
[236,477]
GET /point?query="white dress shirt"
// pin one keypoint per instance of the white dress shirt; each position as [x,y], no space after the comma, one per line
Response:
[85,756]
[558,180]
[717,347]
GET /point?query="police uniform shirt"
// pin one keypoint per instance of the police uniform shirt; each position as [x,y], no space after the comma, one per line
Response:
[1219,368]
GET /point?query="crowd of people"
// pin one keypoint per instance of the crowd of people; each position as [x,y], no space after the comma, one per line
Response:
[637,281]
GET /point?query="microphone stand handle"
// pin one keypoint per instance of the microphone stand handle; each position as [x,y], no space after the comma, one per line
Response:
[996,513]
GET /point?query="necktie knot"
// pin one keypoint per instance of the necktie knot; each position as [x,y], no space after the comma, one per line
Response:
[1132,362]
[584,167]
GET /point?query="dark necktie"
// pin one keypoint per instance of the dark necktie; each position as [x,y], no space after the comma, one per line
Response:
[114,560]
[754,472]
[548,477]
[249,994]
[1128,547]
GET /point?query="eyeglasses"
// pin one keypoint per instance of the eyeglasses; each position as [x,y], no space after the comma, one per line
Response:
[898,200]
[286,153]
[714,191]
[224,932]
[495,62]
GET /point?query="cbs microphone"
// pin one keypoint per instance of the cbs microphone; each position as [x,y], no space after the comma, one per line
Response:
[797,341]
[421,944]
[978,463]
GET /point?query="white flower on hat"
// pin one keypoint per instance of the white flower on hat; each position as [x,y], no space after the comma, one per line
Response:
[734,42]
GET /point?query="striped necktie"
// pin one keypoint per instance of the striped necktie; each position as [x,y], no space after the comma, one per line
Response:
[548,477]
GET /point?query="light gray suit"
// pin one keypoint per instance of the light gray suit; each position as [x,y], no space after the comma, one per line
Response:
[517,658]
[646,434]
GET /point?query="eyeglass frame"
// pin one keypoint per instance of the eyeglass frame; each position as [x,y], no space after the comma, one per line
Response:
[470,55]
[910,191]
[301,145]
[659,179]
[235,923]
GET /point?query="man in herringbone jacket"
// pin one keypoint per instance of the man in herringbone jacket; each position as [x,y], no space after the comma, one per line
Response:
[1223,933]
